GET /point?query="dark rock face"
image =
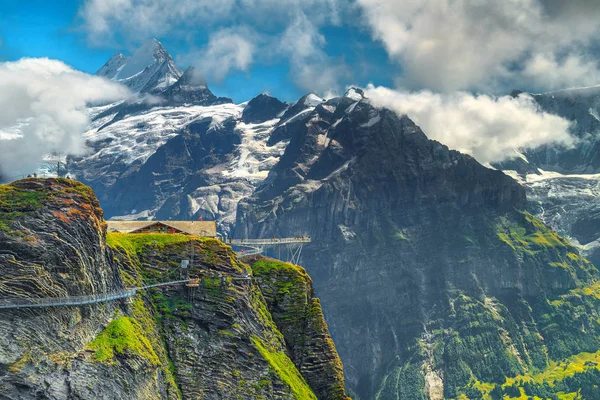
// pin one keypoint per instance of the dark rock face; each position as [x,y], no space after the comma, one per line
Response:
[262,108]
[580,106]
[215,339]
[409,236]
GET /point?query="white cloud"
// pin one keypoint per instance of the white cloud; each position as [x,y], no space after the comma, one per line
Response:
[103,20]
[43,105]
[450,45]
[310,66]
[488,128]
[227,50]
[280,28]
[140,19]
[441,45]
[548,72]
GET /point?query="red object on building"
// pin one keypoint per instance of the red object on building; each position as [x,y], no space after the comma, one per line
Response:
[200,219]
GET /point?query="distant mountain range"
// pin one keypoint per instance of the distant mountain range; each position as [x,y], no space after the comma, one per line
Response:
[437,279]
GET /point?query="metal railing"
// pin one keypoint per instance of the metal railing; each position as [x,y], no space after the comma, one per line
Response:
[266,242]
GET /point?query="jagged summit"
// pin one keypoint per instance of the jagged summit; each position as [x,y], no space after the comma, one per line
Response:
[150,68]
[191,88]
[112,66]
[262,108]
[355,93]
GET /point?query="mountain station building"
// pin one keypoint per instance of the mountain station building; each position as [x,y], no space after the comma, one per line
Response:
[194,228]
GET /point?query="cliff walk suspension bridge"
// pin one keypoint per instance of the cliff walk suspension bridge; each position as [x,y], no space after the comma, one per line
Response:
[255,246]
[81,300]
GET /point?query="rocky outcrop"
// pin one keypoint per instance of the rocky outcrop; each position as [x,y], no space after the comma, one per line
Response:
[190,89]
[213,339]
[432,277]
[52,244]
[297,313]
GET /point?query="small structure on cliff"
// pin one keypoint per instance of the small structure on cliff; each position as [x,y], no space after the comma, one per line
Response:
[195,228]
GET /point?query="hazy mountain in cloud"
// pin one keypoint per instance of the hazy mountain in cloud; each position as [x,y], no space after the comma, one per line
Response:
[564,182]
[149,69]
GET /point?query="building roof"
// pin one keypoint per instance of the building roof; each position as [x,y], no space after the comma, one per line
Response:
[196,228]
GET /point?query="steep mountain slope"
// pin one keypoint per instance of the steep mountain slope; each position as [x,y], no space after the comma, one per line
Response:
[215,341]
[150,68]
[435,283]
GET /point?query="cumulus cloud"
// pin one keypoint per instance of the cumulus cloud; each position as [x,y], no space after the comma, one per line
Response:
[227,50]
[548,72]
[139,19]
[43,105]
[103,20]
[450,45]
[310,66]
[488,128]
[441,45]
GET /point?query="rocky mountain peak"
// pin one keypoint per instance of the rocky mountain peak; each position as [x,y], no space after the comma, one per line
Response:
[355,93]
[111,67]
[262,108]
[150,68]
[191,88]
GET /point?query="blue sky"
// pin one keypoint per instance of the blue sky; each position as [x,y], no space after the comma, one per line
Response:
[37,28]
[291,47]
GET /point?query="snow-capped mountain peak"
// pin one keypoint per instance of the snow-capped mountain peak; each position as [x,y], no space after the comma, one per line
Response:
[112,66]
[150,68]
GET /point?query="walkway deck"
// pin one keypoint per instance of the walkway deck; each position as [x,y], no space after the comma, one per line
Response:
[267,242]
